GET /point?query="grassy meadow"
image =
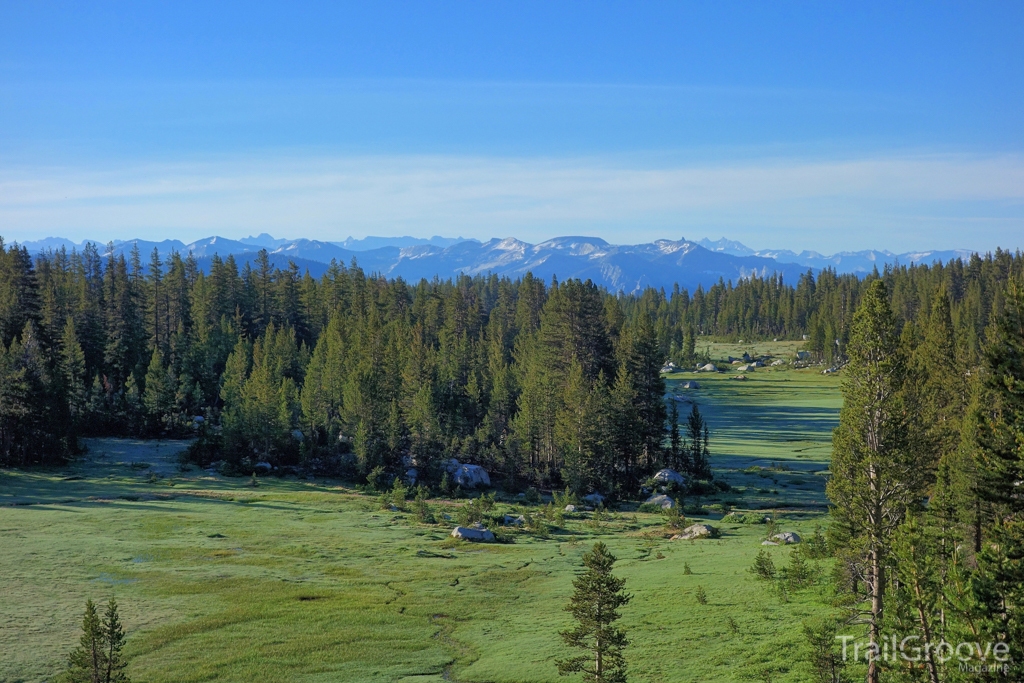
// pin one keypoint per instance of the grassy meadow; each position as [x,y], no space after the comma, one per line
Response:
[303,581]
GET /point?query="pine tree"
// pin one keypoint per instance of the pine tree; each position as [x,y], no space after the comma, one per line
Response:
[158,395]
[87,663]
[99,658]
[113,639]
[697,447]
[595,606]
[877,472]
[581,432]
[999,588]
[72,371]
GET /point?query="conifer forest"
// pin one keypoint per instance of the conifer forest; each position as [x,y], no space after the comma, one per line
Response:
[559,391]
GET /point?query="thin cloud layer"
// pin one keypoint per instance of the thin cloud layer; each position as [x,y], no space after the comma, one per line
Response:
[882,202]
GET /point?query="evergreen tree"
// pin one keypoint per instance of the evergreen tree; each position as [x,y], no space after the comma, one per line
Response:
[98,658]
[158,394]
[595,606]
[113,640]
[72,371]
[87,663]
[999,588]
[698,454]
[877,472]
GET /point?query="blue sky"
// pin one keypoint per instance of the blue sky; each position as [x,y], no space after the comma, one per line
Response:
[826,126]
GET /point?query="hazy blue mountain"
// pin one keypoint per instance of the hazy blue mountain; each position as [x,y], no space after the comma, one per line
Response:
[263,240]
[368,243]
[843,261]
[629,268]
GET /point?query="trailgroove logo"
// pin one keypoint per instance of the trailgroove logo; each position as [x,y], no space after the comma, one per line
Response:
[973,657]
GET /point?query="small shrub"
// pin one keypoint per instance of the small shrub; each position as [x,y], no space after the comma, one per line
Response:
[532,496]
[649,508]
[673,518]
[731,624]
[764,567]
[816,546]
[686,568]
[798,573]
[399,491]
[702,597]
[561,499]
[535,524]
[503,536]
[253,481]
[377,478]
[420,507]
[446,484]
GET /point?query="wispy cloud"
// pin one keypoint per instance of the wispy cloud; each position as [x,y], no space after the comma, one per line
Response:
[912,201]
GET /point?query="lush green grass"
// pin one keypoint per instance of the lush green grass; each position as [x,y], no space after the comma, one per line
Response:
[309,581]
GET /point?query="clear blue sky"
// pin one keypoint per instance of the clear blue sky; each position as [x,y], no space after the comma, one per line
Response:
[800,125]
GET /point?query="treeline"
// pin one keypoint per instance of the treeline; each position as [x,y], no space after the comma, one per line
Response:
[927,469]
[544,383]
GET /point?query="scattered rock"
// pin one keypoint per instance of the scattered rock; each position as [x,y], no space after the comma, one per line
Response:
[768,543]
[696,531]
[264,466]
[690,385]
[468,476]
[570,508]
[662,501]
[742,378]
[710,367]
[473,534]
[667,476]
[297,434]
[410,476]
[593,499]
[787,537]
[776,363]
[509,520]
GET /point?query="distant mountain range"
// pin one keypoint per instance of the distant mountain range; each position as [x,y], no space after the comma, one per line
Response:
[618,267]
[842,262]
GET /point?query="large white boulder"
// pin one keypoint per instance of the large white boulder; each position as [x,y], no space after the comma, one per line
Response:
[710,367]
[667,476]
[468,476]
[696,531]
[475,534]
[786,537]
[662,501]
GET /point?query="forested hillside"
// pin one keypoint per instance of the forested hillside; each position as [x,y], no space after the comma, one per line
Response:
[547,383]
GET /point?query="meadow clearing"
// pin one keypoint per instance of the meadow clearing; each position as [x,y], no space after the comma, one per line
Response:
[300,580]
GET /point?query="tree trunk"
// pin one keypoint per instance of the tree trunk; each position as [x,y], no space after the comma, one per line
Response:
[876,613]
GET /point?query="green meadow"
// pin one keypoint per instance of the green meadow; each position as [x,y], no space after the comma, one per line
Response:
[301,581]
